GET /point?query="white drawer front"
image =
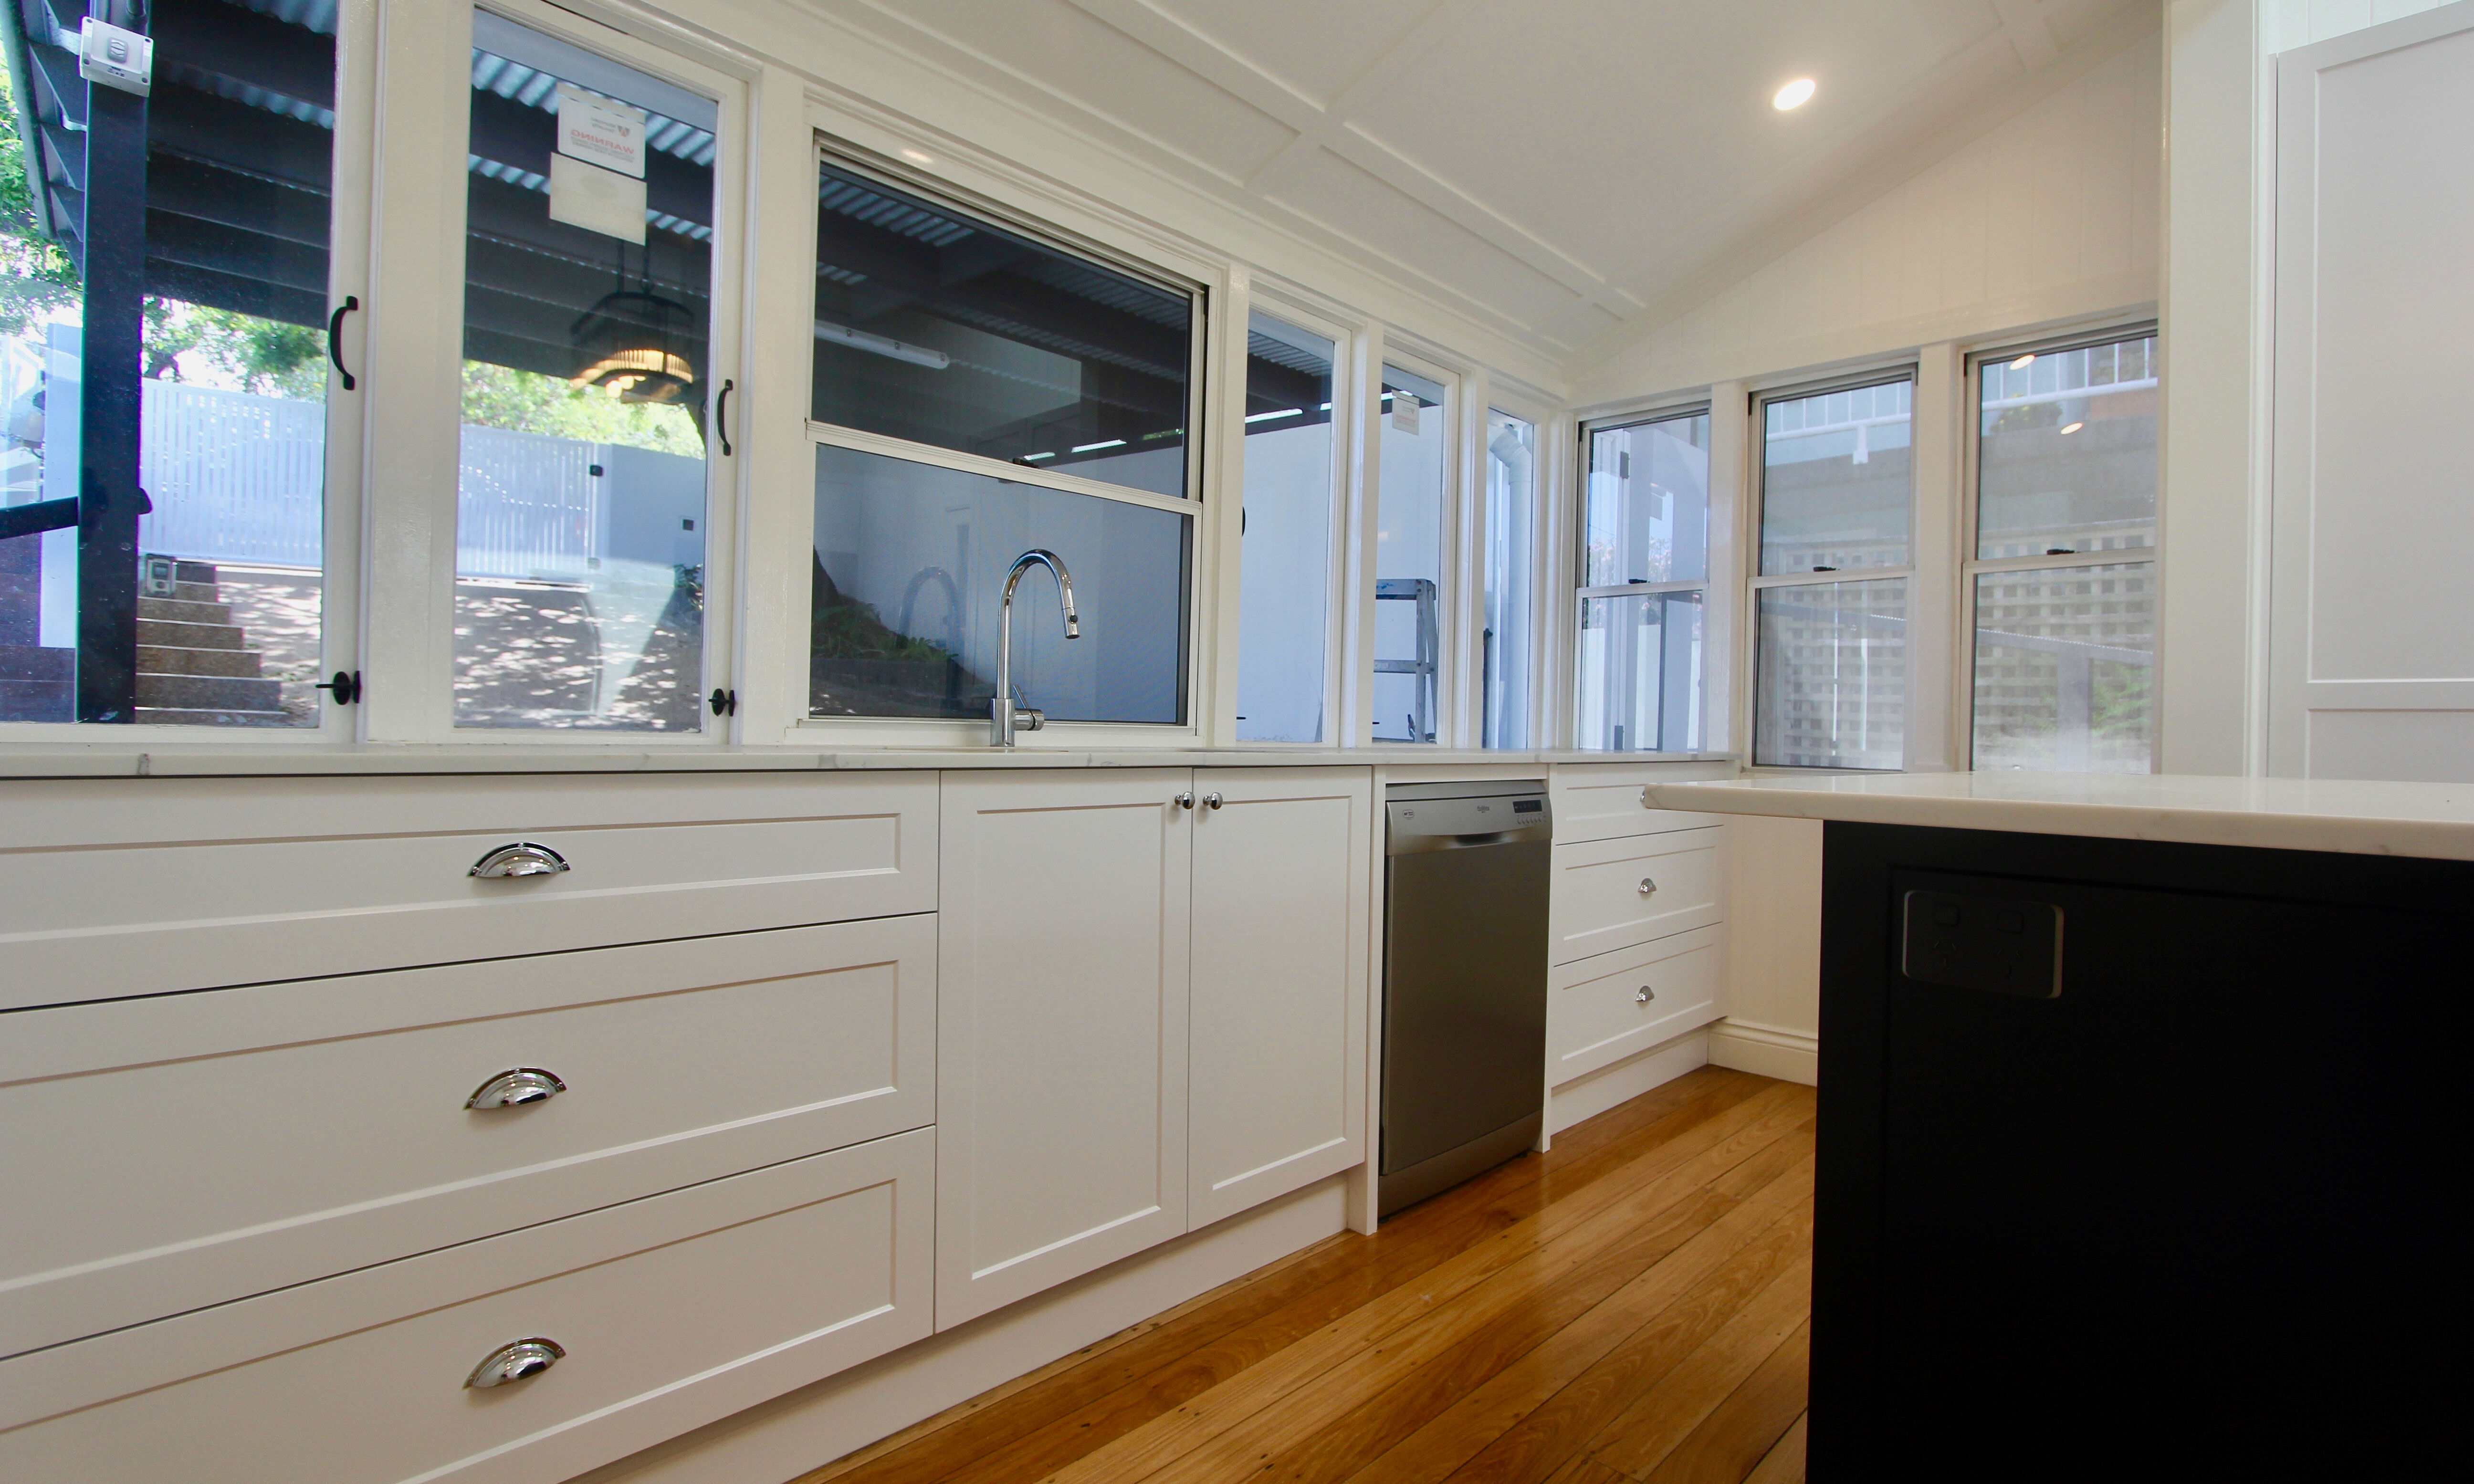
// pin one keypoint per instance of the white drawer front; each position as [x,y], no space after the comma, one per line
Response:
[1602,800]
[1603,1009]
[1613,893]
[111,888]
[167,1154]
[673,1311]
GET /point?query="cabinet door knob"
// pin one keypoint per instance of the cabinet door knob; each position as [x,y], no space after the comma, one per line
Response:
[519,1361]
[524,858]
[515,1088]
[1185,801]
[1214,800]
[1646,995]
[1647,885]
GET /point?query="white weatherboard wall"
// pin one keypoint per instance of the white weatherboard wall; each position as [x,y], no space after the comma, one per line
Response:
[2050,215]
[1773,893]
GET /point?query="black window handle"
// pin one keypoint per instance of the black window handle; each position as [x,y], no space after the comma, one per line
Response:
[334,338]
[722,415]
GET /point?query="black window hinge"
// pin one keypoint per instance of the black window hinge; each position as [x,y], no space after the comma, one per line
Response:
[724,704]
[347,687]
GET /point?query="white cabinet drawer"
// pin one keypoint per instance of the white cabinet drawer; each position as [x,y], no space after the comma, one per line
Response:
[165,1154]
[673,1311]
[1602,800]
[1613,893]
[111,888]
[1602,1009]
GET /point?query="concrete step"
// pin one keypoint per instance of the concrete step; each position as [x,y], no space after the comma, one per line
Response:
[210,693]
[173,610]
[198,592]
[168,660]
[187,636]
[183,716]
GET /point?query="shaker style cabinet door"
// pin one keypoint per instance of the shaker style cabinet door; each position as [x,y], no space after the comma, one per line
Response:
[1282,863]
[1062,1027]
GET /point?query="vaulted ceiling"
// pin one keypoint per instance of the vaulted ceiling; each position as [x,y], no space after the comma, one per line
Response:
[1551,168]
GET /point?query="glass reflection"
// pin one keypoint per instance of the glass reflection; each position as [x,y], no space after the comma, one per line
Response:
[1641,673]
[2066,451]
[910,564]
[1648,505]
[939,329]
[1831,670]
[2064,668]
[1836,473]
[1409,556]
[1284,606]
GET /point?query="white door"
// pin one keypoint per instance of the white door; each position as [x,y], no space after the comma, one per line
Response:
[1281,887]
[1062,1027]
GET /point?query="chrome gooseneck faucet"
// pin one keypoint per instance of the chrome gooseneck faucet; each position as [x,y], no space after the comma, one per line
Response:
[1003,714]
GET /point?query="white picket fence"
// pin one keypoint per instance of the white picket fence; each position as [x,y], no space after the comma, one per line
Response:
[239,478]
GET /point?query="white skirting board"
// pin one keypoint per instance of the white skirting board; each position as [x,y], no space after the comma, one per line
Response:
[1772,1051]
[1586,1097]
[783,1438]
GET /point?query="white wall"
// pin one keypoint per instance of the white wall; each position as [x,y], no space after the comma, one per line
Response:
[2048,215]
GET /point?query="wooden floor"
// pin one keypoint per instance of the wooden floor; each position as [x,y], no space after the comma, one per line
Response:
[1629,1306]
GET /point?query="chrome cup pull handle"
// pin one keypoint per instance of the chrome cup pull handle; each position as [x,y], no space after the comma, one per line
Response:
[1646,995]
[1647,885]
[517,1087]
[524,858]
[518,1361]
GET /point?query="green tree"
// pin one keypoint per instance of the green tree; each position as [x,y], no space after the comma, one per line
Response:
[528,403]
[223,347]
[38,282]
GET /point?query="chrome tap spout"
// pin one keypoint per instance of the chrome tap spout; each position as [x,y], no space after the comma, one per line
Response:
[1004,716]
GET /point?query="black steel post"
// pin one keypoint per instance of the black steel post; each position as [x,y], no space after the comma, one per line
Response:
[115,237]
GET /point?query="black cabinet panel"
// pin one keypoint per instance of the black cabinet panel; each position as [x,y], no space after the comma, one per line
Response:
[2134,1158]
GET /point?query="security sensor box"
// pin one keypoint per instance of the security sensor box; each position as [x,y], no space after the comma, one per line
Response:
[116,57]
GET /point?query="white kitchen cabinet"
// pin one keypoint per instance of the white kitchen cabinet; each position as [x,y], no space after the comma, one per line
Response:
[167,1154]
[671,1313]
[1602,1009]
[1062,1027]
[1279,1007]
[1614,893]
[133,887]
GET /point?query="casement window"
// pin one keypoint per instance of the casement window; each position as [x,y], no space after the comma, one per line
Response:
[589,390]
[166,288]
[1287,532]
[1509,575]
[1415,416]
[2061,580]
[1644,586]
[1830,601]
[980,393]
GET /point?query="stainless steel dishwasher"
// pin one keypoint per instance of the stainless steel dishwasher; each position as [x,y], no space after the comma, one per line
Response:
[1466,866]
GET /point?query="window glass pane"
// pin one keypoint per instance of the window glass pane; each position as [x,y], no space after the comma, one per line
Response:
[1837,469]
[1833,675]
[1511,519]
[1285,594]
[588,274]
[2067,454]
[1648,506]
[1641,672]
[1412,421]
[936,326]
[207,385]
[2065,666]
[910,572]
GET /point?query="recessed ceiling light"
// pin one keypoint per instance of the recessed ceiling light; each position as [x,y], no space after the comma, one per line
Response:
[2072,428]
[1794,95]
[2020,364]
[919,157]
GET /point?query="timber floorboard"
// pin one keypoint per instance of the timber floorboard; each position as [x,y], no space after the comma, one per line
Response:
[1628,1308]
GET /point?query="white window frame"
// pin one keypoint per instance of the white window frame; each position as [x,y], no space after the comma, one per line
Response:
[1288,304]
[1454,604]
[1971,508]
[1574,568]
[415,348]
[1756,486]
[353,188]
[1206,474]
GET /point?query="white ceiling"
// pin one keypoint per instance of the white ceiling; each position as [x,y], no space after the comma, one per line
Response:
[1549,167]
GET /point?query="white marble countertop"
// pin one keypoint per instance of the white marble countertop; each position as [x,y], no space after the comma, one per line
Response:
[229,760]
[2429,819]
